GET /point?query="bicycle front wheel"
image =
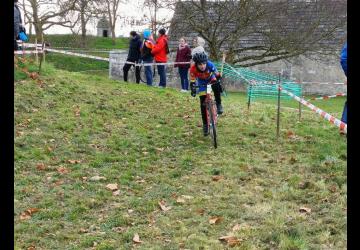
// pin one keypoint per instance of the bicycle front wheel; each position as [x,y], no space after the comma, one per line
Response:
[211,110]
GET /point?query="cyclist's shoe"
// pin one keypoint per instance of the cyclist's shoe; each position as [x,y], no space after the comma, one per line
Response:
[220,109]
[205,129]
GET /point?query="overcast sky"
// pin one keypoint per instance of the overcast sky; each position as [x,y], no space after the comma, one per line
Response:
[129,10]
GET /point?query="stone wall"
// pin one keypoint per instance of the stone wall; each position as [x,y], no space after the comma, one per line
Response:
[314,85]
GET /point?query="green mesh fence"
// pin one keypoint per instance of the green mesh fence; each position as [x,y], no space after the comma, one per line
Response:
[260,84]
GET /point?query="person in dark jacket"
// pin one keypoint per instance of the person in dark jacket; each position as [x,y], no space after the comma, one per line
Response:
[183,55]
[17,24]
[160,54]
[343,62]
[133,56]
[146,56]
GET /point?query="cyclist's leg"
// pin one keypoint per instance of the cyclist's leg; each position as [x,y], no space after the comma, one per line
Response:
[204,115]
[217,92]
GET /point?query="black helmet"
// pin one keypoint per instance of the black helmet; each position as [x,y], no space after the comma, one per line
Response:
[162,31]
[200,58]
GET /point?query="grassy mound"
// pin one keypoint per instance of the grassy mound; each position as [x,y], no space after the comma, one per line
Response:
[77,133]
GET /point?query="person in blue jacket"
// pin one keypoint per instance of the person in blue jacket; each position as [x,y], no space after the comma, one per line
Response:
[343,62]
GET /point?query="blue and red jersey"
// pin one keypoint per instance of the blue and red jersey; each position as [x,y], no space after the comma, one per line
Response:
[203,78]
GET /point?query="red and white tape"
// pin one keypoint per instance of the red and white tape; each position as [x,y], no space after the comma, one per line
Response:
[326,116]
[328,96]
[19,52]
[77,54]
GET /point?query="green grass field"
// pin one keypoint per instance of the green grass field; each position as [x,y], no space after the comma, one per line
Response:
[76,133]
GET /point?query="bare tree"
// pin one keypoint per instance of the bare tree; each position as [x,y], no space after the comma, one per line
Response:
[111,7]
[256,32]
[80,15]
[153,7]
[44,14]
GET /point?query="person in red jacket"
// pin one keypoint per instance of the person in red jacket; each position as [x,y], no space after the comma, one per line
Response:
[160,51]
[183,55]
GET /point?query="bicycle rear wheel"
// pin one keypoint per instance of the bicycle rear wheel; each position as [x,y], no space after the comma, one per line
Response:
[211,110]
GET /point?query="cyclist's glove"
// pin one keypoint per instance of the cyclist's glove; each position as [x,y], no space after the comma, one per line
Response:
[193,89]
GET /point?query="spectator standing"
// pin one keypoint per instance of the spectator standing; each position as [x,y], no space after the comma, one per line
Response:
[343,62]
[183,55]
[146,56]
[160,52]
[133,56]
[17,24]
[198,44]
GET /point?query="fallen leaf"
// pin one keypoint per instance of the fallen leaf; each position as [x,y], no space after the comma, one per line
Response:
[19,133]
[27,213]
[116,193]
[40,166]
[215,220]
[119,229]
[180,200]
[292,160]
[74,161]
[163,206]
[200,211]
[230,240]
[235,228]
[289,133]
[112,187]
[304,210]
[31,248]
[217,177]
[97,178]
[59,182]
[136,238]
[160,149]
[187,197]
[333,188]
[63,170]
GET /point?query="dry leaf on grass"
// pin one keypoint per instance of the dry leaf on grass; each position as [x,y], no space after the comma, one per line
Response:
[97,178]
[116,193]
[235,228]
[215,220]
[163,206]
[28,213]
[304,210]
[112,187]
[136,238]
[217,177]
[180,200]
[230,240]
[200,211]
[40,166]
[63,170]
[31,248]
[74,161]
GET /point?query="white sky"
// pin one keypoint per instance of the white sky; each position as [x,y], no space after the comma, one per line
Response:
[132,9]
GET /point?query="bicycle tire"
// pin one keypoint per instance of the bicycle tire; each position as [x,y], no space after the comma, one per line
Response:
[142,74]
[212,124]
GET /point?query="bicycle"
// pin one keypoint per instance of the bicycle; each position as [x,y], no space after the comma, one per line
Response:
[143,75]
[211,114]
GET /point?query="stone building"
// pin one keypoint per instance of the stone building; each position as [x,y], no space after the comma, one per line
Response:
[103,28]
[299,68]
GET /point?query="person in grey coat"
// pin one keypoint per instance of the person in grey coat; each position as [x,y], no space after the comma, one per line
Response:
[17,23]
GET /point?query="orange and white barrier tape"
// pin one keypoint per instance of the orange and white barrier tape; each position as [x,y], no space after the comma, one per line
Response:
[328,96]
[330,118]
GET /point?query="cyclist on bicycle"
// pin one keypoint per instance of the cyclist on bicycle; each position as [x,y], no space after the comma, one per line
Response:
[204,72]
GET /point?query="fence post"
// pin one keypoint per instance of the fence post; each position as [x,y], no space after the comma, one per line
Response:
[278,110]
[249,99]
[36,52]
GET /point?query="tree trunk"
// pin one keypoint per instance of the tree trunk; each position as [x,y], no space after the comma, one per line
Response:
[113,34]
[83,31]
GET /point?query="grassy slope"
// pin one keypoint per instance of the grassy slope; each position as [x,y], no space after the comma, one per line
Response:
[72,63]
[147,140]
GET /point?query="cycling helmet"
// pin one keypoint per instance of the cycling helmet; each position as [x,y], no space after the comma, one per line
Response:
[200,58]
